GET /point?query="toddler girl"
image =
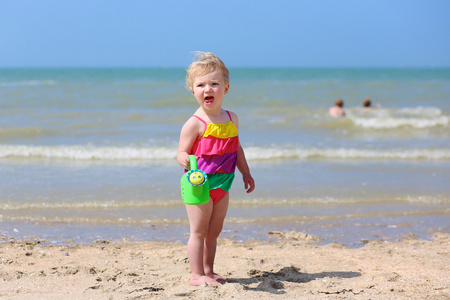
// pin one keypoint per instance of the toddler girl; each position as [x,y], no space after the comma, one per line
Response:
[211,134]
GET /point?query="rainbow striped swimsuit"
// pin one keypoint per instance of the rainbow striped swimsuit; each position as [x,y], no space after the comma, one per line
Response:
[217,151]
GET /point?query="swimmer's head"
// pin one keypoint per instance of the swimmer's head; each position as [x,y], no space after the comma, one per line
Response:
[339,102]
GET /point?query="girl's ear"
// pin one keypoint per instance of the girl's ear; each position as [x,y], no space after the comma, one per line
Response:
[227,87]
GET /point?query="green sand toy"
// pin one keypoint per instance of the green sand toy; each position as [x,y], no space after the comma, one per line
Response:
[194,185]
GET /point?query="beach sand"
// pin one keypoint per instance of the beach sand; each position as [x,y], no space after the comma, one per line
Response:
[287,266]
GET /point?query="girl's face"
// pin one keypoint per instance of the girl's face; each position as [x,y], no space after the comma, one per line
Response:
[209,90]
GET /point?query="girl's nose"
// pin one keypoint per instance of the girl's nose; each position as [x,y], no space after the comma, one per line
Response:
[208,87]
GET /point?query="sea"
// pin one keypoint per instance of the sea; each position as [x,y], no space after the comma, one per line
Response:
[89,154]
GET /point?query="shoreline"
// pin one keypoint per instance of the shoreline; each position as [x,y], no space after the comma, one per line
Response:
[351,230]
[293,267]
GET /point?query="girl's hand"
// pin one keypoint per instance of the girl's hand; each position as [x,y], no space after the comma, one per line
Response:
[249,182]
[183,160]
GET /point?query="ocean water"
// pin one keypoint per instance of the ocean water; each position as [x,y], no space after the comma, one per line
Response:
[88,154]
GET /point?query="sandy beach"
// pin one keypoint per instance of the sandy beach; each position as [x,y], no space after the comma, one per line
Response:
[287,266]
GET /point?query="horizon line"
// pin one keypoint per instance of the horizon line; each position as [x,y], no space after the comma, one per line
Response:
[229,67]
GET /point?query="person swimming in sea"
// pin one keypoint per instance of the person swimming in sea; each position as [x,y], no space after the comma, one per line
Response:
[337,110]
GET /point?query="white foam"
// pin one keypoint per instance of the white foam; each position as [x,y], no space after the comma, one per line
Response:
[28,83]
[33,207]
[252,153]
[347,153]
[88,205]
[87,152]
[407,117]
[421,111]
[425,199]
[389,123]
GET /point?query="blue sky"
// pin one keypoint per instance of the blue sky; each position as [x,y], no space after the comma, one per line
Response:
[282,33]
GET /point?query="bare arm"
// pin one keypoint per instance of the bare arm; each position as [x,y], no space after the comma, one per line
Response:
[189,133]
[242,165]
[249,182]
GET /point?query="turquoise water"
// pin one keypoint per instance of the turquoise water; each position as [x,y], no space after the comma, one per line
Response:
[91,153]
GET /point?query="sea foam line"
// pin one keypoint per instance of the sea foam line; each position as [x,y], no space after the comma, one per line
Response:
[88,205]
[348,153]
[390,123]
[243,202]
[252,153]
[28,83]
[87,152]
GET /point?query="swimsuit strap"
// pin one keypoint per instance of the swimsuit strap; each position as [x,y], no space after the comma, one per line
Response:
[229,115]
[204,122]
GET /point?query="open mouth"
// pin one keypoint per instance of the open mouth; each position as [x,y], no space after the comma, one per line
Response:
[209,99]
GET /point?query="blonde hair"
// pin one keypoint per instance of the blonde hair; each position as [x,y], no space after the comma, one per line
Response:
[206,63]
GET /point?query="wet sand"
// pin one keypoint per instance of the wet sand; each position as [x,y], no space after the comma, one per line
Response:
[288,266]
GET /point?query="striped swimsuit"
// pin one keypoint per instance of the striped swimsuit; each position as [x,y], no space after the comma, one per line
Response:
[217,155]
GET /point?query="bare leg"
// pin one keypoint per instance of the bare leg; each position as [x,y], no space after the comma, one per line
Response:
[219,212]
[199,218]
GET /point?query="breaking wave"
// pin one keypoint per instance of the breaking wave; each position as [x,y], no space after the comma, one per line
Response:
[415,117]
[252,153]
[28,83]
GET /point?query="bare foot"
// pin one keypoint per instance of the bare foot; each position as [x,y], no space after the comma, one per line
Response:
[203,279]
[217,278]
